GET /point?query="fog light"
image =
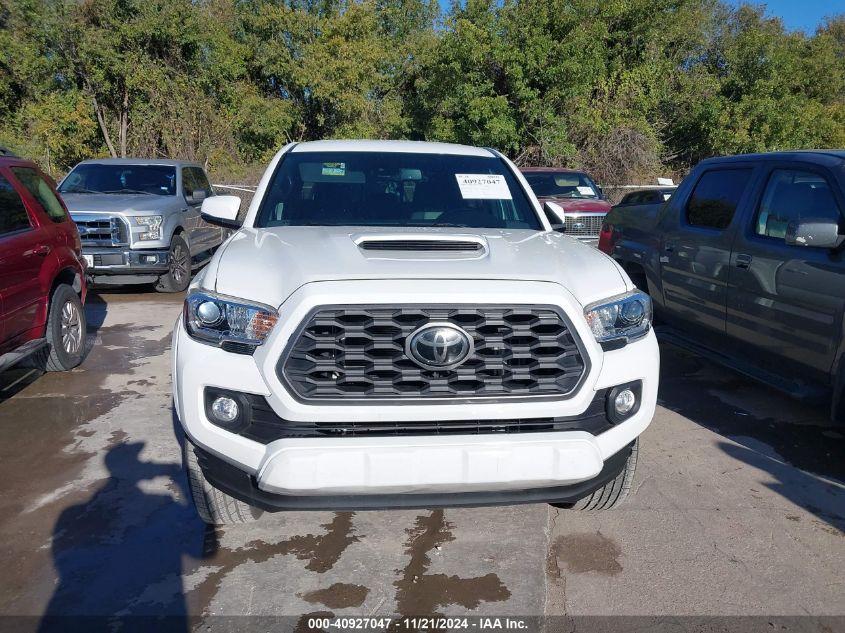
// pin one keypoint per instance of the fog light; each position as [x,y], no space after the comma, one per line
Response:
[624,402]
[225,409]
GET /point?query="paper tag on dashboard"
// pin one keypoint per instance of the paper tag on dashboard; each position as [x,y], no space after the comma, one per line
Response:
[334,169]
[483,187]
[586,191]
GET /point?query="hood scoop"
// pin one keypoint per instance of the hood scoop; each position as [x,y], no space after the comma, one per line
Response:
[419,243]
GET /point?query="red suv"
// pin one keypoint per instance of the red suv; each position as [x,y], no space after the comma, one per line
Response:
[42,274]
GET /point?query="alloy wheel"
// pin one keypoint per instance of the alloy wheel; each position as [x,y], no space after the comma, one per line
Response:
[71,328]
[179,266]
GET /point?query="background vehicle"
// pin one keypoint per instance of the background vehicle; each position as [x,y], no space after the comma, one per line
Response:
[140,220]
[396,324]
[581,199]
[745,264]
[42,276]
[639,209]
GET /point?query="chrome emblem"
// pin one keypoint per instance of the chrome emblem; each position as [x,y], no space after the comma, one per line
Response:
[439,346]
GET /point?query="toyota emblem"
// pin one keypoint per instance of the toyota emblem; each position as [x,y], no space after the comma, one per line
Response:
[439,346]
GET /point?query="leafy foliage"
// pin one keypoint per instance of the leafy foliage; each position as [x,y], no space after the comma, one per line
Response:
[624,88]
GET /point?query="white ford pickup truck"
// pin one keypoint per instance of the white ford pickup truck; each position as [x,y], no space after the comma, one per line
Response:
[396,324]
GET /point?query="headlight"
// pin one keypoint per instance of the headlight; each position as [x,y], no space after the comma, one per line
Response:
[620,319]
[152,224]
[227,322]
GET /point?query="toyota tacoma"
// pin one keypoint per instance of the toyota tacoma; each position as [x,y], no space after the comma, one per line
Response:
[395,324]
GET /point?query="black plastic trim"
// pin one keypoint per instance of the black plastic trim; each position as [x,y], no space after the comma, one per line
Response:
[635,386]
[258,422]
[226,224]
[243,486]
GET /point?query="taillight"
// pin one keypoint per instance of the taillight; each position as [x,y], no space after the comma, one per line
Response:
[607,238]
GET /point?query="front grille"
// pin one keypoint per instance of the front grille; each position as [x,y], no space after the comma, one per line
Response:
[343,353]
[264,426]
[102,231]
[420,245]
[583,225]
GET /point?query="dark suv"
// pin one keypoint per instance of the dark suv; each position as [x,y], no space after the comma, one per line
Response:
[42,277]
[746,264]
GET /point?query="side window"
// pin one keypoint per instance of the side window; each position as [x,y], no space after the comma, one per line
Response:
[13,215]
[194,179]
[202,182]
[189,181]
[41,191]
[792,194]
[715,197]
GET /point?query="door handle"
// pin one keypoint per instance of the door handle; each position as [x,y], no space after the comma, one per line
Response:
[42,250]
[743,260]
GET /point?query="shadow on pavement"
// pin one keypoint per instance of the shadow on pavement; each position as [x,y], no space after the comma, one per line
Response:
[119,555]
[795,443]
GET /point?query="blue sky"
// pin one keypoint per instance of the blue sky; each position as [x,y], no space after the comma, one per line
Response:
[805,15]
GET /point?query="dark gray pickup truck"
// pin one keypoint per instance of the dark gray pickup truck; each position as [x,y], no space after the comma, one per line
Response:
[745,265]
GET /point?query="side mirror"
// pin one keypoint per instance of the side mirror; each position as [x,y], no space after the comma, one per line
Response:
[600,192]
[222,211]
[197,196]
[554,213]
[816,232]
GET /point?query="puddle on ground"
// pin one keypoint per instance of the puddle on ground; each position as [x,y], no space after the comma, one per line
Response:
[339,596]
[321,551]
[582,553]
[418,592]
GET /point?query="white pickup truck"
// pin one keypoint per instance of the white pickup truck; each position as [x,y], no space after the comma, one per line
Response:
[395,324]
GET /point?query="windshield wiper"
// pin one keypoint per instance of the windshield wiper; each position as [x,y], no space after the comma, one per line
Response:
[146,193]
[453,224]
[78,190]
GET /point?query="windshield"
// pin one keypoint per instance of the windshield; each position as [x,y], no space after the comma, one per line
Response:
[395,189]
[157,180]
[561,184]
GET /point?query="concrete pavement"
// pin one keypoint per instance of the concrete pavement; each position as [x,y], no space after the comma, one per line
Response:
[739,508]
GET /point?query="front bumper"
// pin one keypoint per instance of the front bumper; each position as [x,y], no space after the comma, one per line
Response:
[245,487]
[484,463]
[125,261]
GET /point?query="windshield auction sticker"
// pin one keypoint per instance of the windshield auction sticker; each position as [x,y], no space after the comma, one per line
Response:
[483,187]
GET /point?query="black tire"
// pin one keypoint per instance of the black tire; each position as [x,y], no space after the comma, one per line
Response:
[65,331]
[178,275]
[614,492]
[214,506]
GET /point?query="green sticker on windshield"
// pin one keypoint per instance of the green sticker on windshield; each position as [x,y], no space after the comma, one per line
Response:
[334,169]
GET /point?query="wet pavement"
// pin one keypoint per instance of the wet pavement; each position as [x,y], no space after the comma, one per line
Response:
[739,509]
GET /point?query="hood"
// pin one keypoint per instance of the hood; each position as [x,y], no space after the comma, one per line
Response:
[115,203]
[268,265]
[583,205]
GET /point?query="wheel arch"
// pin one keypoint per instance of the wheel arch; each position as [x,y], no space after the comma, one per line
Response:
[69,276]
[637,273]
